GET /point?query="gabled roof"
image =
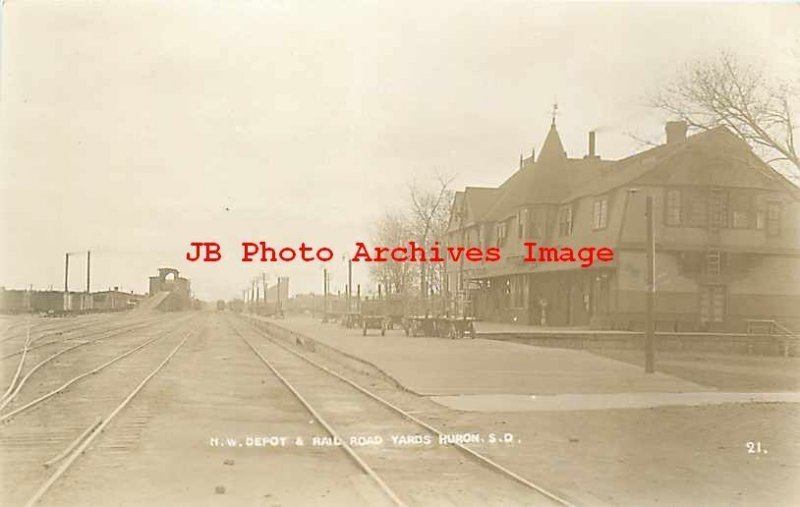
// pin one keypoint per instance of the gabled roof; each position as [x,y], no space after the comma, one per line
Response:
[455,210]
[510,195]
[474,203]
[718,144]
[618,173]
[478,202]
[554,178]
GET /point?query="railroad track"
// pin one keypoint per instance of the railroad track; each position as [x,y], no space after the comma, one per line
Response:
[32,351]
[46,389]
[406,475]
[52,430]
[33,342]
[40,359]
[27,325]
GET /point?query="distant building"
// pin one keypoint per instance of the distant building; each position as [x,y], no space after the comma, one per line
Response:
[178,291]
[114,300]
[279,291]
[17,301]
[726,228]
[52,301]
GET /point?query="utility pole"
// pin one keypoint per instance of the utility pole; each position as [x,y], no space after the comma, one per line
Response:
[66,274]
[88,270]
[325,295]
[66,282]
[278,297]
[349,283]
[649,339]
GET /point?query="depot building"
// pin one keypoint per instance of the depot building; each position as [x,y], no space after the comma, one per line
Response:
[726,231]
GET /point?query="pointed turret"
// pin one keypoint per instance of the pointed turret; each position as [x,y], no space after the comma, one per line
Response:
[552,150]
[550,179]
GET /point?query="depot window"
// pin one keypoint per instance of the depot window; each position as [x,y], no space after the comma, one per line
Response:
[773,218]
[565,221]
[673,203]
[718,208]
[600,213]
[501,233]
[741,204]
[522,221]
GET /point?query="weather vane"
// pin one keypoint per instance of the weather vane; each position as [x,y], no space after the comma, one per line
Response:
[555,113]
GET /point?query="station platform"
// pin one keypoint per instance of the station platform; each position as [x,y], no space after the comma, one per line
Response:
[499,328]
[442,367]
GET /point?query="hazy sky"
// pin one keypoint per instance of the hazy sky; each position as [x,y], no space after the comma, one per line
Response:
[129,127]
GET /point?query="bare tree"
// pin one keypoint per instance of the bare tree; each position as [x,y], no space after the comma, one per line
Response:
[724,92]
[394,228]
[430,214]
[424,222]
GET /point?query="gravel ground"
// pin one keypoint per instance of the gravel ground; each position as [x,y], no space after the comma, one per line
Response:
[696,455]
[159,451]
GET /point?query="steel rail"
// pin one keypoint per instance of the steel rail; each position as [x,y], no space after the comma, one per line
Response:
[130,327]
[99,429]
[51,328]
[8,334]
[39,346]
[65,340]
[40,399]
[349,450]
[19,368]
[104,335]
[63,454]
[49,359]
[558,498]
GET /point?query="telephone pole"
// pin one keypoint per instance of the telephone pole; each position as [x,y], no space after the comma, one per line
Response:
[66,274]
[66,282]
[325,295]
[349,283]
[88,270]
[649,338]
[278,296]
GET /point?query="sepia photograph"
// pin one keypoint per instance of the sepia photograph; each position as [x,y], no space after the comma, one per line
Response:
[288,253]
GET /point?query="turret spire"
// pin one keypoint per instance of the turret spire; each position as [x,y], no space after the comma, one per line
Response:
[555,113]
[552,150]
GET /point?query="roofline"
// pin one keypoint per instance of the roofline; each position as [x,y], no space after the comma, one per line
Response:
[691,141]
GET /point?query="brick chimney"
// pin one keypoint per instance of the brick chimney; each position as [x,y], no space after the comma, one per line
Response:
[676,131]
[592,146]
